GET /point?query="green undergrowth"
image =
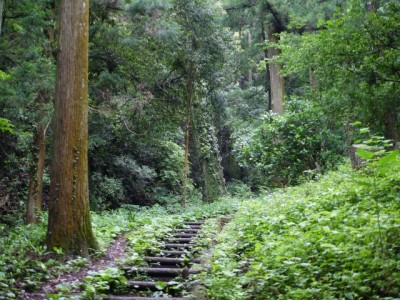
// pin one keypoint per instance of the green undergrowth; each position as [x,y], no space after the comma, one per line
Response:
[148,240]
[25,262]
[337,238]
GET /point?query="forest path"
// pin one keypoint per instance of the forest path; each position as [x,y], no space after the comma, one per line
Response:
[114,252]
[166,274]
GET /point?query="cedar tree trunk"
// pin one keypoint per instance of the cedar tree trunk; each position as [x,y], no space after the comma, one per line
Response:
[1,14]
[36,174]
[69,223]
[190,91]
[205,155]
[277,82]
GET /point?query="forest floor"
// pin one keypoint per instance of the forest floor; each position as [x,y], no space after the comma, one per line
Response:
[114,252]
[132,241]
[336,237]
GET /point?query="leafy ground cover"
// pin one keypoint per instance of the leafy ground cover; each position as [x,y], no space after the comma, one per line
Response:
[25,262]
[337,238]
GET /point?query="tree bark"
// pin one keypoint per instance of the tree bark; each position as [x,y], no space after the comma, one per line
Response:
[69,225]
[34,206]
[35,196]
[267,86]
[205,154]
[277,82]
[250,41]
[391,124]
[189,91]
[1,14]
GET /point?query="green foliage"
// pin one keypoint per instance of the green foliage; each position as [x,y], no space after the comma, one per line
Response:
[149,227]
[25,262]
[320,240]
[103,281]
[284,147]
[105,191]
[6,126]
[353,61]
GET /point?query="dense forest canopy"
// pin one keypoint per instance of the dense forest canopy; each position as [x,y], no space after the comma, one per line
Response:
[176,102]
[162,72]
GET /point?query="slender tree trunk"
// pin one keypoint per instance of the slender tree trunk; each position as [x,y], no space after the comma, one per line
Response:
[190,91]
[186,162]
[69,223]
[35,195]
[250,41]
[34,206]
[313,81]
[277,82]
[267,86]
[1,14]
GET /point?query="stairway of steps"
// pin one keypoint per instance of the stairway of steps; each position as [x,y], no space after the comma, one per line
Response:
[172,267]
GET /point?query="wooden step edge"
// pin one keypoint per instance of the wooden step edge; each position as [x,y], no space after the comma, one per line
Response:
[160,271]
[184,235]
[173,245]
[174,252]
[194,227]
[170,260]
[148,284]
[163,271]
[180,230]
[194,223]
[166,260]
[181,240]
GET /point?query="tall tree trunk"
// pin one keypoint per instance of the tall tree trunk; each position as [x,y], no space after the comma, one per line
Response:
[69,223]
[267,86]
[36,174]
[277,82]
[313,81]
[205,155]
[391,124]
[35,195]
[250,41]
[189,91]
[1,14]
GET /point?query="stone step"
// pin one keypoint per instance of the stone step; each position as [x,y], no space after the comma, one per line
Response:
[187,230]
[184,235]
[163,271]
[194,223]
[194,226]
[169,260]
[164,260]
[147,284]
[174,253]
[175,246]
[181,240]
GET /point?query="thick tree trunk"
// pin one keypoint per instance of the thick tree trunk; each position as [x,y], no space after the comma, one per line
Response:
[391,125]
[205,155]
[69,224]
[36,174]
[277,82]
